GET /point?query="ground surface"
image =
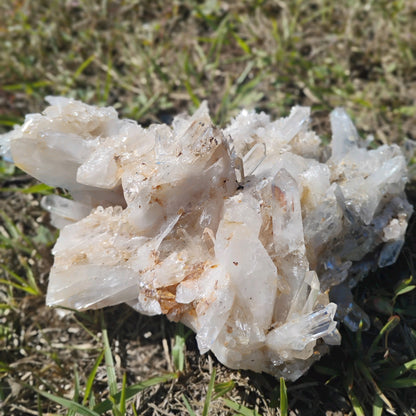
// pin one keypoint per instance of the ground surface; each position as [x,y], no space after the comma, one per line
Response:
[153,59]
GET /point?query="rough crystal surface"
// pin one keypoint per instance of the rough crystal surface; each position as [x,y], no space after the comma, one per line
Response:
[252,235]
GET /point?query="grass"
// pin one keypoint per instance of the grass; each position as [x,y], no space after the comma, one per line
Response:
[151,60]
[117,400]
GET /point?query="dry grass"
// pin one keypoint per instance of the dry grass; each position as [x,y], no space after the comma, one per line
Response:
[152,59]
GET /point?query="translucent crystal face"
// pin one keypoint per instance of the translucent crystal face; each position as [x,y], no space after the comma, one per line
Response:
[243,234]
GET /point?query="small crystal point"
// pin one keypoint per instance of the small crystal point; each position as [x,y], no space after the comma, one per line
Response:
[287,217]
[344,133]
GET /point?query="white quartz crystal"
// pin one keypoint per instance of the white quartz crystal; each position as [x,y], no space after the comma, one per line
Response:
[251,235]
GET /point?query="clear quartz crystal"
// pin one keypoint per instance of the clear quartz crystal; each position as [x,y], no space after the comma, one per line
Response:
[250,235]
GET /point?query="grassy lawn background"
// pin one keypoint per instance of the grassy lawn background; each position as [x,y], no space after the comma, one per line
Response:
[152,60]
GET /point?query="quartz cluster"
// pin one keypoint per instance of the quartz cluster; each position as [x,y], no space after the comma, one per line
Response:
[252,235]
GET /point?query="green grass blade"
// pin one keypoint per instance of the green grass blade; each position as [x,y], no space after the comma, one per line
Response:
[149,103]
[209,393]
[389,326]
[40,413]
[223,388]
[123,396]
[188,406]
[81,68]
[7,169]
[367,374]
[91,378]
[242,44]
[242,410]
[109,365]
[377,406]
[76,385]
[134,410]
[24,288]
[406,290]
[25,86]
[108,79]
[12,243]
[401,383]
[356,405]
[404,287]
[40,188]
[283,398]
[131,391]
[178,350]
[4,366]
[399,371]
[244,74]
[69,404]
[191,93]
[15,234]
[13,274]
[10,120]
[348,383]
[10,226]
[72,412]
[30,278]
[91,402]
